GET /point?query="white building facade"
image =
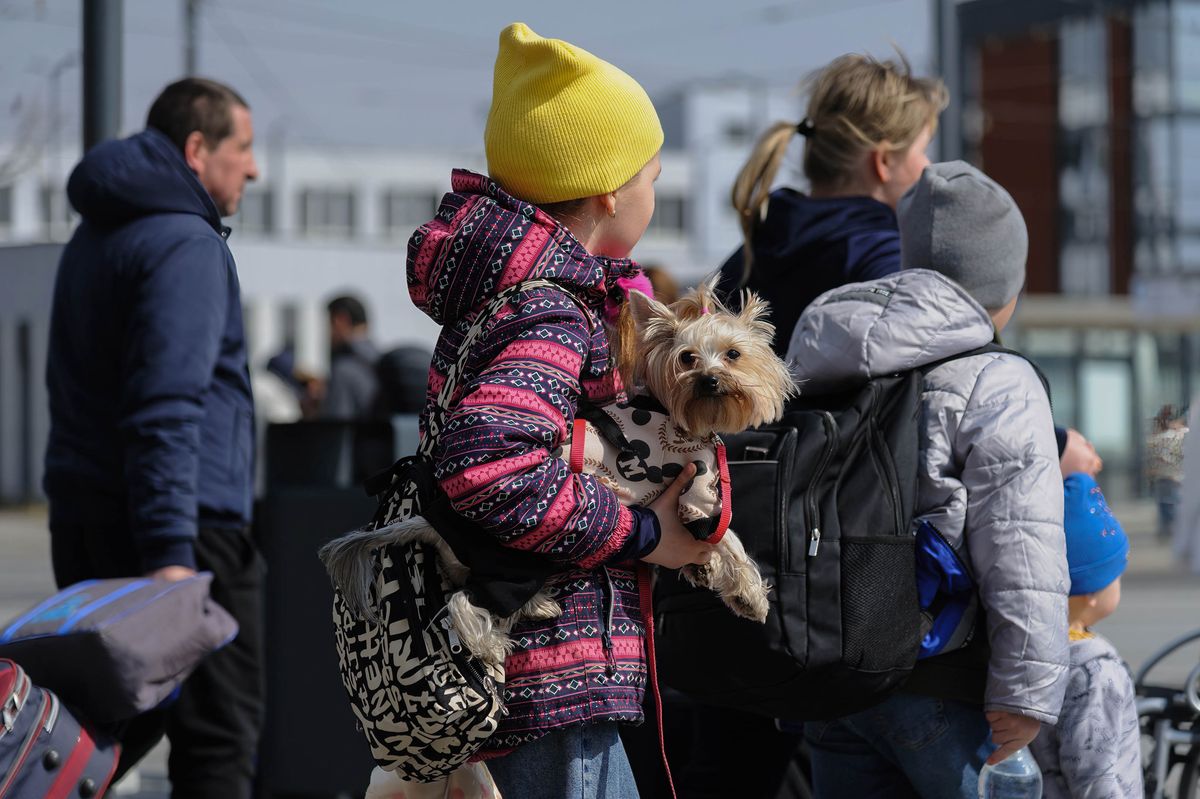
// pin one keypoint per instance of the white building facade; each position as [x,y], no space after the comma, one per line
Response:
[324,221]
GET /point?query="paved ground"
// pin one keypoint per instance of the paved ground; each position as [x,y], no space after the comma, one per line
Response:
[1160,602]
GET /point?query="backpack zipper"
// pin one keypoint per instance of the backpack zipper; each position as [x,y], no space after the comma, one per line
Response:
[810,494]
[880,452]
[462,658]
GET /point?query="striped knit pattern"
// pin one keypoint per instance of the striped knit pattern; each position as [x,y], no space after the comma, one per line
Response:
[514,406]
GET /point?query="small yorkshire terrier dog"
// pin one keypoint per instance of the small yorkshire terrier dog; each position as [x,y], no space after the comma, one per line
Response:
[704,371]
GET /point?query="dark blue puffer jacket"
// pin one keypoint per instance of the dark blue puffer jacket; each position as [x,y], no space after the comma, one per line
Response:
[809,245]
[151,416]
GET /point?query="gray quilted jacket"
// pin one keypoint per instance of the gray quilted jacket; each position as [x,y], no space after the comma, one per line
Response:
[989,476]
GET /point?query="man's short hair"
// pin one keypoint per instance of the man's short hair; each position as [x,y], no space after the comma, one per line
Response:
[351,307]
[195,104]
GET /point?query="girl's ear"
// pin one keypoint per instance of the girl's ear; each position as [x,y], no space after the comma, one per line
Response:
[608,203]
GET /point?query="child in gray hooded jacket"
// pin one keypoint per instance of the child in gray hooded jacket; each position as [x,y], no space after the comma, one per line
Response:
[1094,751]
[988,480]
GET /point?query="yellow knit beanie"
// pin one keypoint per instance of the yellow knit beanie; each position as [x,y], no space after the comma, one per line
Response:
[563,123]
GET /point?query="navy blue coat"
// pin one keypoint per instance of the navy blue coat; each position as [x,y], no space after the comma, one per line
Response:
[151,417]
[807,246]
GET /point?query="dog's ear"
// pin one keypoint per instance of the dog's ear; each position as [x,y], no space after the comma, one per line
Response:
[755,314]
[646,310]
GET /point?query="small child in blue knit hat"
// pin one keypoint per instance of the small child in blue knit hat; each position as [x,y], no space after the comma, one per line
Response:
[1095,748]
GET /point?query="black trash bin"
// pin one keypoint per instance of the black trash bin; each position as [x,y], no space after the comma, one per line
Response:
[312,493]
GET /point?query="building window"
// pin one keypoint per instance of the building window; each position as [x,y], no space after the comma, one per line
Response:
[57,215]
[404,211]
[736,132]
[670,217]
[6,209]
[327,212]
[256,214]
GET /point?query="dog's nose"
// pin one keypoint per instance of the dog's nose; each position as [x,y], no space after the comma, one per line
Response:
[709,384]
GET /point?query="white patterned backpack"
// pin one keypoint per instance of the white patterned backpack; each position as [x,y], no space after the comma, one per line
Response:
[424,703]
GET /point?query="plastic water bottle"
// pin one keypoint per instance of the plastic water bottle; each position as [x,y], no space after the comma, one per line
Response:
[1015,777]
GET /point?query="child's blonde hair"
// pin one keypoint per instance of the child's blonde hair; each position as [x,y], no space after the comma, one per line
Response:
[856,104]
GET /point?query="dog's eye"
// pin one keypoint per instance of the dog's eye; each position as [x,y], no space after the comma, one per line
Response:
[687,358]
[733,355]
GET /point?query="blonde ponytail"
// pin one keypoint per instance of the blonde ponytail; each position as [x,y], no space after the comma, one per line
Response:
[753,185]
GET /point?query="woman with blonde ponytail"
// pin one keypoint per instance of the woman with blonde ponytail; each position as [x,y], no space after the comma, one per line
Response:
[867,127]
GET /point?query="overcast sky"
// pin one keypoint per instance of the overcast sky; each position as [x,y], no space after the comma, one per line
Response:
[418,74]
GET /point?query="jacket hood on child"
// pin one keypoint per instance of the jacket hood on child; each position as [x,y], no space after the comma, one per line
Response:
[988,477]
[900,322]
[484,240]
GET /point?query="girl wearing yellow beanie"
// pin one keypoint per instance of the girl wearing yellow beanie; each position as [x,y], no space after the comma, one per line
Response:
[572,148]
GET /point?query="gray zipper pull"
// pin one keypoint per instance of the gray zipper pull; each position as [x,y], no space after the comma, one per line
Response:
[814,541]
[452,634]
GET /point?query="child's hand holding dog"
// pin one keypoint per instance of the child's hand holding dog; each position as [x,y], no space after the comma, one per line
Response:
[677,547]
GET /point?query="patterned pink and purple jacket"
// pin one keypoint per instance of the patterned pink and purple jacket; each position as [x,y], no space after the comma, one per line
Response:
[515,403]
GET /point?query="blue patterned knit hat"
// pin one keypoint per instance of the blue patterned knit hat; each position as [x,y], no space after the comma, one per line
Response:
[1097,547]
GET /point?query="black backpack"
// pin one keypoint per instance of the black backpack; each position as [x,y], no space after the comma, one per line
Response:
[823,500]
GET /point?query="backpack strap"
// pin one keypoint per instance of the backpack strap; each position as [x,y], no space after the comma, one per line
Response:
[378,483]
[994,347]
[437,415]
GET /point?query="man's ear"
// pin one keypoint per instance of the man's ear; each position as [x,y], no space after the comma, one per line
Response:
[195,151]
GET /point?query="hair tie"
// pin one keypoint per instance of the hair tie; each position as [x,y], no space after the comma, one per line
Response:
[805,128]
[618,293]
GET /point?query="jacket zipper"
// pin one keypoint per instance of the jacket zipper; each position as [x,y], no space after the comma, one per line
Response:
[810,494]
[46,723]
[610,657]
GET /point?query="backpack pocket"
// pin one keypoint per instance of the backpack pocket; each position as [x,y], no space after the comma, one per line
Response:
[880,618]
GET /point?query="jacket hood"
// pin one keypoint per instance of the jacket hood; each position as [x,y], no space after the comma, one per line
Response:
[796,224]
[484,240]
[124,179]
[901,322]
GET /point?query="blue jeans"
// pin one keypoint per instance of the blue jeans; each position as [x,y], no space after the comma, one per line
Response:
[907,747]
[586,761]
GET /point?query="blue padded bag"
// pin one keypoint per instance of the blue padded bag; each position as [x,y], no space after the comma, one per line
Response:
[117,648]
[946,593]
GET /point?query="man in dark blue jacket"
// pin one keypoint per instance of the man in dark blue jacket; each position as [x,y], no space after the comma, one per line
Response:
[150,458]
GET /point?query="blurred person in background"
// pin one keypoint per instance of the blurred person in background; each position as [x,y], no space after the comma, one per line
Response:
[666,287]
[1164,465]
[278,389]
[352,391]
[1187,524]
[403,374]
[149,464]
